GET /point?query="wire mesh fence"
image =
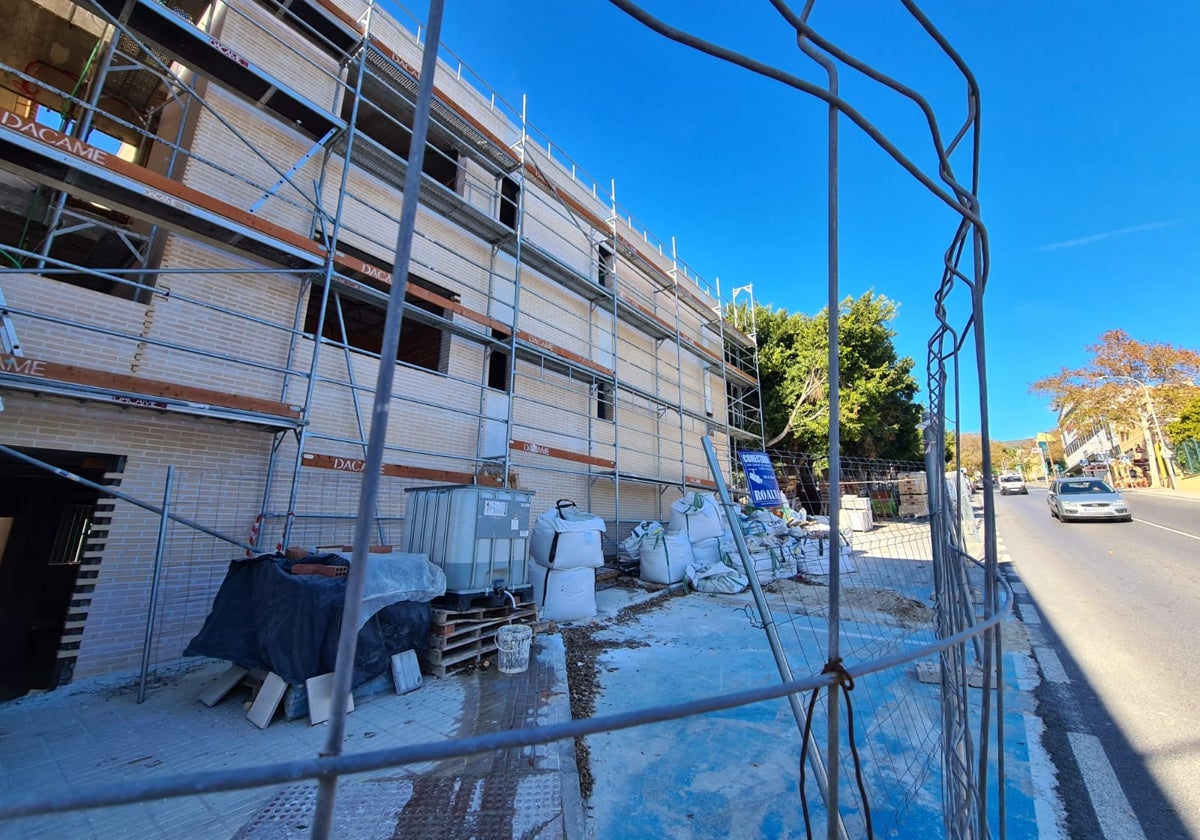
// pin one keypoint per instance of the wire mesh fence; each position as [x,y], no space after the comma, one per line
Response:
[911,607]
[1187,453]
[887,605]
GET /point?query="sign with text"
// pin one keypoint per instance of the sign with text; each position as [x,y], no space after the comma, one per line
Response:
[760,479]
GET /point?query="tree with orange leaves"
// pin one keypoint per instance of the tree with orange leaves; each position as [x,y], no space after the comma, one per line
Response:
[1102,392]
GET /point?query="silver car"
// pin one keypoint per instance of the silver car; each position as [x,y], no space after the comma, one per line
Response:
[1086,498]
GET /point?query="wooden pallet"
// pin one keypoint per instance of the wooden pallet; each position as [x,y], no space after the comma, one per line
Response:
[443,635]
[606,576]
[459,638]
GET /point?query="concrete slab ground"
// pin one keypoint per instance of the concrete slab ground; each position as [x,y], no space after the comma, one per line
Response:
[736,773]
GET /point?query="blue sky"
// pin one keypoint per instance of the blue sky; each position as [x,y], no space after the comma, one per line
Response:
[1089,177]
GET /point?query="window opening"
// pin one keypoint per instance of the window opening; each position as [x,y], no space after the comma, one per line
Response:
[497,370]
[441,159]
[423,342]
[604,404]
[735,398]
[510,194]
[82,233]
[45,577]
[71,539]
[607,268]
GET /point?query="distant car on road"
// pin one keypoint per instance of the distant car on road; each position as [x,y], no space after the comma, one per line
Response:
[1013,483]
[1086,498]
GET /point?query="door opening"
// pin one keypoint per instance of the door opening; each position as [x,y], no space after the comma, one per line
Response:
[45,523]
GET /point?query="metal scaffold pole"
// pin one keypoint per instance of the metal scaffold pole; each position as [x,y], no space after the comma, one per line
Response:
[356,579]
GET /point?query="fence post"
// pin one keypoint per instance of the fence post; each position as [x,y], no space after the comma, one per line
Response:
[163,519]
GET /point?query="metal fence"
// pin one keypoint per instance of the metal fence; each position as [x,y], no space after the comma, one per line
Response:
[897,611]
[1187,455]
[923,602]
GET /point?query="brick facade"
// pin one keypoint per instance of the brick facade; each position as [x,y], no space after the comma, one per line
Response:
[202,355]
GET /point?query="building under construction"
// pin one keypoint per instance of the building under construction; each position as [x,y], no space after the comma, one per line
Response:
[199,217]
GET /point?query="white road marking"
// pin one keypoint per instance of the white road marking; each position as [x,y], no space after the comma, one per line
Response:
[1117,821]
[1052,668]
[1165,528]
[1046,807]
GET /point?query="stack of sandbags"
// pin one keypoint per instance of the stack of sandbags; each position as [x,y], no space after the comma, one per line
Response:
[809,548]
[784,542]
[765,534]
[567,548]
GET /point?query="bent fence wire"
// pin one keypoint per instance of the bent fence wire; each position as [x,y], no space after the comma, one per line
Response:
[916,613]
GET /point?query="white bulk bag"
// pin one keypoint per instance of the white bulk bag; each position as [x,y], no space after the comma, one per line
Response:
[665,556]
[564,594]
[632,545]
[697,515]
[707,552]
[567,538]
[768,522]
[716,577]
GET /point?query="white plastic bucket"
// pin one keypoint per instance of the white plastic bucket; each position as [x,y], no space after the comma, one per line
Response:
[512,642]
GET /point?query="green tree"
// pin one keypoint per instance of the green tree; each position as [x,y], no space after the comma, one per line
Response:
[1187,427]
[878,416]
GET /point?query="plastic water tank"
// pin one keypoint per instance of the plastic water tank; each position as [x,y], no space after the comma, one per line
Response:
[478,536]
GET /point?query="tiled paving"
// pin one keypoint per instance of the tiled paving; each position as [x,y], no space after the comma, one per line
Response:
[95,733]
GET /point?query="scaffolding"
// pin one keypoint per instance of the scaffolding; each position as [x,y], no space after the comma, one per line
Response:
[201,208]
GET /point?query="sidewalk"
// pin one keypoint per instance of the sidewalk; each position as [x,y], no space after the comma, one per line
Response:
[1163,491]
[95,732]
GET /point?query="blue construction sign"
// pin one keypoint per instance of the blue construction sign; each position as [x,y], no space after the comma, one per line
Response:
[760,480]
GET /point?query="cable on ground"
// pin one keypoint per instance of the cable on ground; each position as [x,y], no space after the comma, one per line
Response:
[846,683]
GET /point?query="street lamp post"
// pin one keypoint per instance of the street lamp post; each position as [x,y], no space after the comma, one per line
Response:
[1162,441]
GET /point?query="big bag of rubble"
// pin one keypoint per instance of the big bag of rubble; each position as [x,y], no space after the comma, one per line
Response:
[564,594]
[697,515]
[632,545]
[665,556]
[566,537]
[715,577]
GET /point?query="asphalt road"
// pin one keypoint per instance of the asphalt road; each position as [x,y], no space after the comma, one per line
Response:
[1119,651]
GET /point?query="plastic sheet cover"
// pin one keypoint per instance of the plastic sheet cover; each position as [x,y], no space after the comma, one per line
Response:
[266,617]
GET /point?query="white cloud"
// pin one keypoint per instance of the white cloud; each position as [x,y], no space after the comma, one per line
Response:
[1098,237]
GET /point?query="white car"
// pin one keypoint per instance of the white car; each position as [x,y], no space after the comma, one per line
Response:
[1013,483]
